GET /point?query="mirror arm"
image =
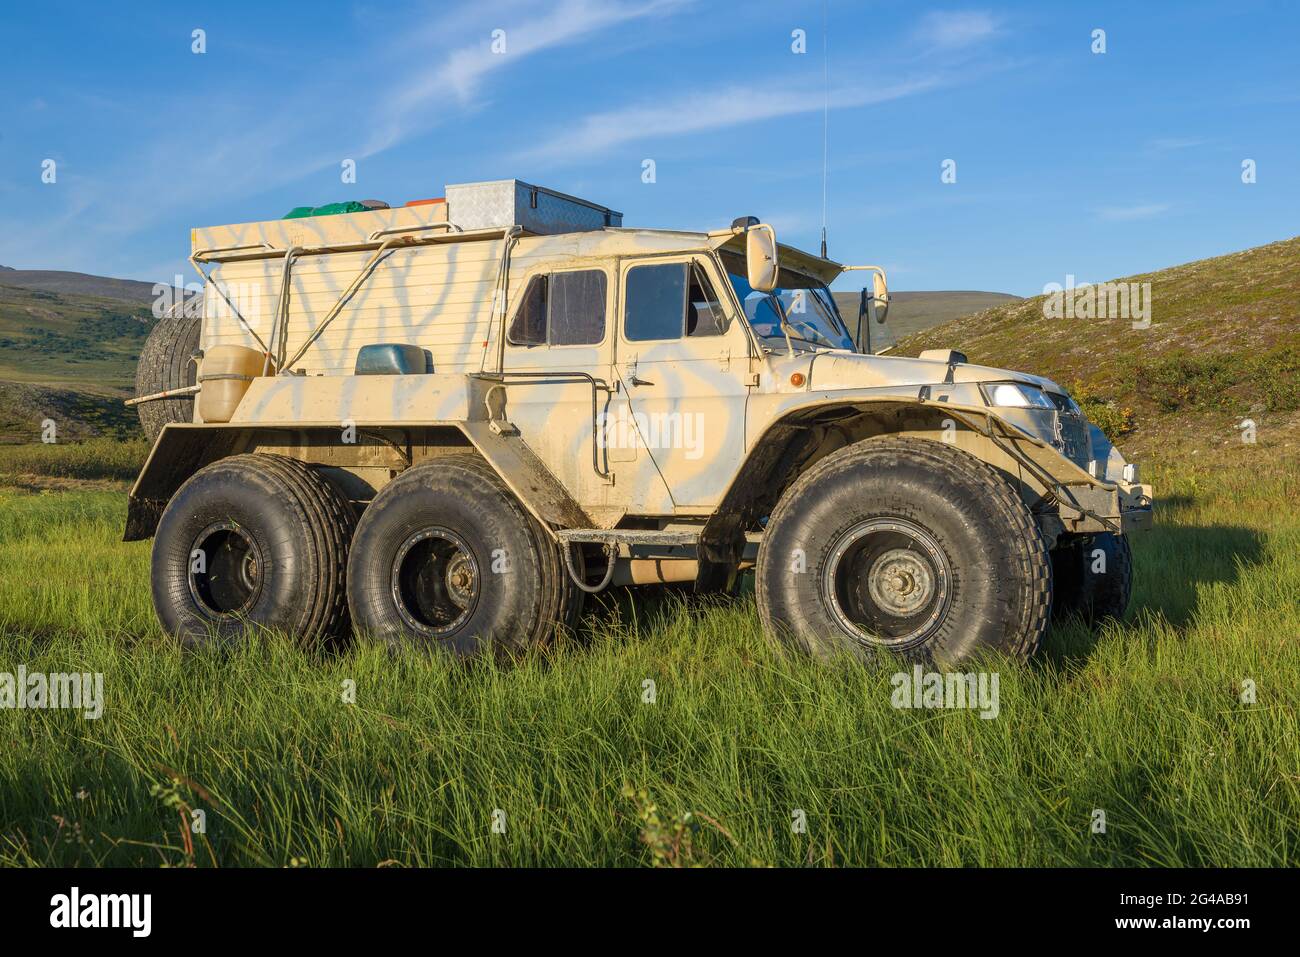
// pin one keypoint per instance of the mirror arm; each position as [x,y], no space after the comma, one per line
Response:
[880,272]
[862,311]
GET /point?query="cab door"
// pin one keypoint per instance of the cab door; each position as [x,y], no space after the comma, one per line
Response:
[560,345]
[683,359]
[559,333]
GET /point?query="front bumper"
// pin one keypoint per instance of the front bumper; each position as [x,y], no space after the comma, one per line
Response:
[1120,507]
[1136,507]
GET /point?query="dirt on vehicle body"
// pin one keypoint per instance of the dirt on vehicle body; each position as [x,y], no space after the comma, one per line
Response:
[444,424]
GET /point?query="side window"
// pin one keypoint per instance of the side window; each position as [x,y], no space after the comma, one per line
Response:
[655,302]
[577,315]
[561,309]
[529,325]
[703,311]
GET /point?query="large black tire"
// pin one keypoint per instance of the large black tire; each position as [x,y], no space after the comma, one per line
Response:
[446,559]
[905,546]
[273,535]
[165,363]
[1092,586]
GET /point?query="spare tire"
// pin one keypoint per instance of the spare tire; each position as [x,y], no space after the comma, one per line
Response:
[165,364]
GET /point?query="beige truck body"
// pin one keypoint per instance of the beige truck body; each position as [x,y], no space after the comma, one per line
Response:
[696,434]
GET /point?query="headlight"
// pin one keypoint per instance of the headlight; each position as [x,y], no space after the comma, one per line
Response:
[1015,395]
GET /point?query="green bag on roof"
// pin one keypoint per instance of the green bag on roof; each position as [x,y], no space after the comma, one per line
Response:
[331,209]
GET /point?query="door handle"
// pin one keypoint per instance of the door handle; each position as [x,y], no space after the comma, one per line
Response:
[632,378]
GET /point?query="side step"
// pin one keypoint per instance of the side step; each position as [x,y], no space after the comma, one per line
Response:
[635,542]
[629,537]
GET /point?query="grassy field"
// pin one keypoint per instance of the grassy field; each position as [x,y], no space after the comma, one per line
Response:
[1143,722]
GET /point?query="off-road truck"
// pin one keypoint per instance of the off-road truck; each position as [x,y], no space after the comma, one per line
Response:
[443,424]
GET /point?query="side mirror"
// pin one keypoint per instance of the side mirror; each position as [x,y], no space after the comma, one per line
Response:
[878,302]
[880,295]
[760,257]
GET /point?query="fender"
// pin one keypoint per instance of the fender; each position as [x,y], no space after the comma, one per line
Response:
[181,449]
[796,441]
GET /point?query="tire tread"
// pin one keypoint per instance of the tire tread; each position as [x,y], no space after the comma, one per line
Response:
[976,479]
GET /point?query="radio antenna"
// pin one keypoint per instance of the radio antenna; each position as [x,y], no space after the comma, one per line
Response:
[826,119]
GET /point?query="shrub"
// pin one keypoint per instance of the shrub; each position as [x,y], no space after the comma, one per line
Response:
[1105,413]
[1225,381]
[1182,380]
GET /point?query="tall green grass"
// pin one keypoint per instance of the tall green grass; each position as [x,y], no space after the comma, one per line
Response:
[1143,722]
[117,460]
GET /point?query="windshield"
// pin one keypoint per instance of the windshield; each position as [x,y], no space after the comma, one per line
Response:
[810,312]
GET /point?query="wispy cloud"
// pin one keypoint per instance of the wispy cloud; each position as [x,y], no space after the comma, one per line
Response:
[461,74]
[714,108]
[389,92]
[955,29]
[929,51]
[1122,214]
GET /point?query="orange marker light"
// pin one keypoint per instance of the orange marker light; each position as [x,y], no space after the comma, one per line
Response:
[797,379]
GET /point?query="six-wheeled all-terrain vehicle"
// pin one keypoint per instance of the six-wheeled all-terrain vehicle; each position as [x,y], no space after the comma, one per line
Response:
[443,424]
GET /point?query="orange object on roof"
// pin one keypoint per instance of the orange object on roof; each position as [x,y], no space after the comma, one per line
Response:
[425,202]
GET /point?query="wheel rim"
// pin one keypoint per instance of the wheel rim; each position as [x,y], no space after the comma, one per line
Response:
[436,581]
[887,582]
[225,570]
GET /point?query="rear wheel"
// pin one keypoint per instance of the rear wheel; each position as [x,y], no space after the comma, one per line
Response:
[446,559]
[1094,577]
[906,546]
[253,540]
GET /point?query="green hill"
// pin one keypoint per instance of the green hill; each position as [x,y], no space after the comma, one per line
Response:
[51,337]
[67,357]
[1223,346]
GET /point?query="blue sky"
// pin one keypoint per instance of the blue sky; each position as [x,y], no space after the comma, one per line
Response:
[1068,162]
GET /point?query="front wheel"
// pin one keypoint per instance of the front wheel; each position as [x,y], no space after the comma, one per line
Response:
[1094,577]
[905,546]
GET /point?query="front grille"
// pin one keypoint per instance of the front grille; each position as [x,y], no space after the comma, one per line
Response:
[1071,430]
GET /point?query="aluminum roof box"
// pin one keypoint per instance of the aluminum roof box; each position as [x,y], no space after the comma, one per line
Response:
[512,202]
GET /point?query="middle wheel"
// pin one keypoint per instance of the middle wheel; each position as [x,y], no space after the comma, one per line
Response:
[446,558]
